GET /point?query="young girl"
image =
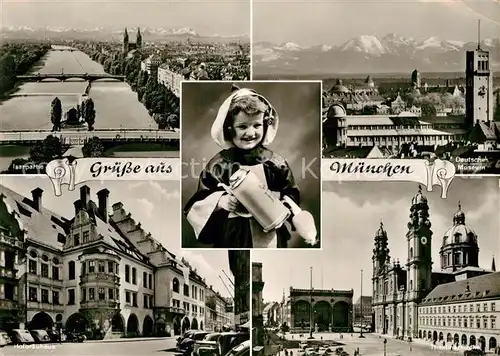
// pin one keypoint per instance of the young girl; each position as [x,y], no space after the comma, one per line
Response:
[245,125]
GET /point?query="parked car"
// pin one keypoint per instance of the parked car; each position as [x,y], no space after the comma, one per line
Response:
[56,336]
[40,336]
[22,336]
[242,349]
[186,335]
[186,345]
[474,352]
[75,337]
[228,340]
[4,338]
[207,346]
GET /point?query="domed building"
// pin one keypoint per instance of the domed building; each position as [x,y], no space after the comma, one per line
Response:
[459,248]
[335,126]
[339,88]
[452,307]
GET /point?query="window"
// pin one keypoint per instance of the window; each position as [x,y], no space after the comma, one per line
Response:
[55,297]
[45,270]
[471,308]
[71,296]
[84,294]
[127,297]
[117,269]
[102,294]
[175,285]
[485,323]
[485,307]
[493,323]
[127,273]
[33,294]
[85,236]
[144,279]
[150,279]
[101,267]
[71,270]
[77,239]
[151,301]
[84,268]
[32,267]
[92,267]
[492,306]
[110,267]
[111,294]
[145,301]
[55,273]
[134,275]
[117,294]
[91,293]
[186,290]
[465,322]
[478,308]
[134,299]
[478,323]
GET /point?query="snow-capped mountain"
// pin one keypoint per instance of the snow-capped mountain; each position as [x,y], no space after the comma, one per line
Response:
[369,54]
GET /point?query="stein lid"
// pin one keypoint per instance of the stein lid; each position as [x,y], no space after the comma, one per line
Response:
[237,177]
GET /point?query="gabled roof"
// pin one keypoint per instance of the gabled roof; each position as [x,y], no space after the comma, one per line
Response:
[476,288]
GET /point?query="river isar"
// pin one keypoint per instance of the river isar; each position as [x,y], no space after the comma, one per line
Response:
[116,104]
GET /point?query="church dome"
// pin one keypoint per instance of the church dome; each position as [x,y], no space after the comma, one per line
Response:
[459,233]
[381,232]
[419,197]
[369,82]
[336,111]
[340,88]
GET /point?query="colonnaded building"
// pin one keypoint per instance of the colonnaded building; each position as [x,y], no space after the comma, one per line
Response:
[94,272]
[457,306]
[328,309]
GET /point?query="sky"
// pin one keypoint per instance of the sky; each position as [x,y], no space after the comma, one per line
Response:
[333,22]
[207,17]
[352,212]
[155,204]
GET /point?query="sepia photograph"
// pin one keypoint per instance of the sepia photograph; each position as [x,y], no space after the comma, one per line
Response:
[100,266]
[392,87]
[251,154]
[410,273]
[102,78]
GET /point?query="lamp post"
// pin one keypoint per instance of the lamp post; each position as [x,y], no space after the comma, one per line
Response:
[361,302]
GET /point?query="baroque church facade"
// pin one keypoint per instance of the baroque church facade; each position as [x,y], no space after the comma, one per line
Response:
[404,293]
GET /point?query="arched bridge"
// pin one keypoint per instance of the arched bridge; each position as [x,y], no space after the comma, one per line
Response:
[63,76]
[76,137]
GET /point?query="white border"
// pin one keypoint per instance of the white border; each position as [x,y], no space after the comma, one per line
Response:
[251,41]
[249,83]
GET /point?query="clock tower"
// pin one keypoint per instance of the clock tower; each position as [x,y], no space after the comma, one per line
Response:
[479,86]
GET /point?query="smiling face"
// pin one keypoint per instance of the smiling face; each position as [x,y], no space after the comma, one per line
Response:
[248,130]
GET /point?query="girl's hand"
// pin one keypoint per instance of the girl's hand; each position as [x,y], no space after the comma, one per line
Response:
[228,202]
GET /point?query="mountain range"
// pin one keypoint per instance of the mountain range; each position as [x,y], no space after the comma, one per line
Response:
[105,34]
[368,54]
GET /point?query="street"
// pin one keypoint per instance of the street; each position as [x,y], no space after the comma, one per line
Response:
[372,345]
[152,346]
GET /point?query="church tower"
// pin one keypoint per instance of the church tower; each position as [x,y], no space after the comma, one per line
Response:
[138,40]
[479,86]
[125,42]
[380,259]
[419,264]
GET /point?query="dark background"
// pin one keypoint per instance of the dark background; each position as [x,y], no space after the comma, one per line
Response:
[299,136]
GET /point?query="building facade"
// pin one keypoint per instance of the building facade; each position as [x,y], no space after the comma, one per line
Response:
[217,317]
[412,301]
[96,273]
[327,310]
[239,263]
[257,305]
[363,311]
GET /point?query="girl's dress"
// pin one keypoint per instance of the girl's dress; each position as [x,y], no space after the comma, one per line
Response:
[224,229]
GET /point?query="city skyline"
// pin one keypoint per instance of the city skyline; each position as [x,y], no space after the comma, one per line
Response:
[117,14]
[154,204]
[371,18]
[348,245]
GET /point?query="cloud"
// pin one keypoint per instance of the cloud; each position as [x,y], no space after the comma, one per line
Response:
[145,206]
[199,262]
[161,193]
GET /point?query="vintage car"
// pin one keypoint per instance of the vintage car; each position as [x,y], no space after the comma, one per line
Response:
[242,349]
[228,340]
[4,338]
[207,346]
[40,336]
[186,345]
[22,336]
[474,352]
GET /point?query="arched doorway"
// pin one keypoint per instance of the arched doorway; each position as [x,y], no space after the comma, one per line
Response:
[340,318]
[301,314]
[429,335]
[482,343]
[117,323]
[322,315]
[194,324]
[441,337]
[472,341]
[464,340]
[147,326]
[449,338]
[132,325]
[185,325]
[41,321]
[177,326]
[435,336]
[420,334]
[201,325]
[76,323]
[456,339]
[492,343]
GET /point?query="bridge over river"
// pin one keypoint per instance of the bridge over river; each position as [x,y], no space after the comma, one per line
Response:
[75,137]
[64,76]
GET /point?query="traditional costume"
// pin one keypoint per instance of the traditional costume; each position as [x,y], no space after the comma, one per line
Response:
[226,229]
